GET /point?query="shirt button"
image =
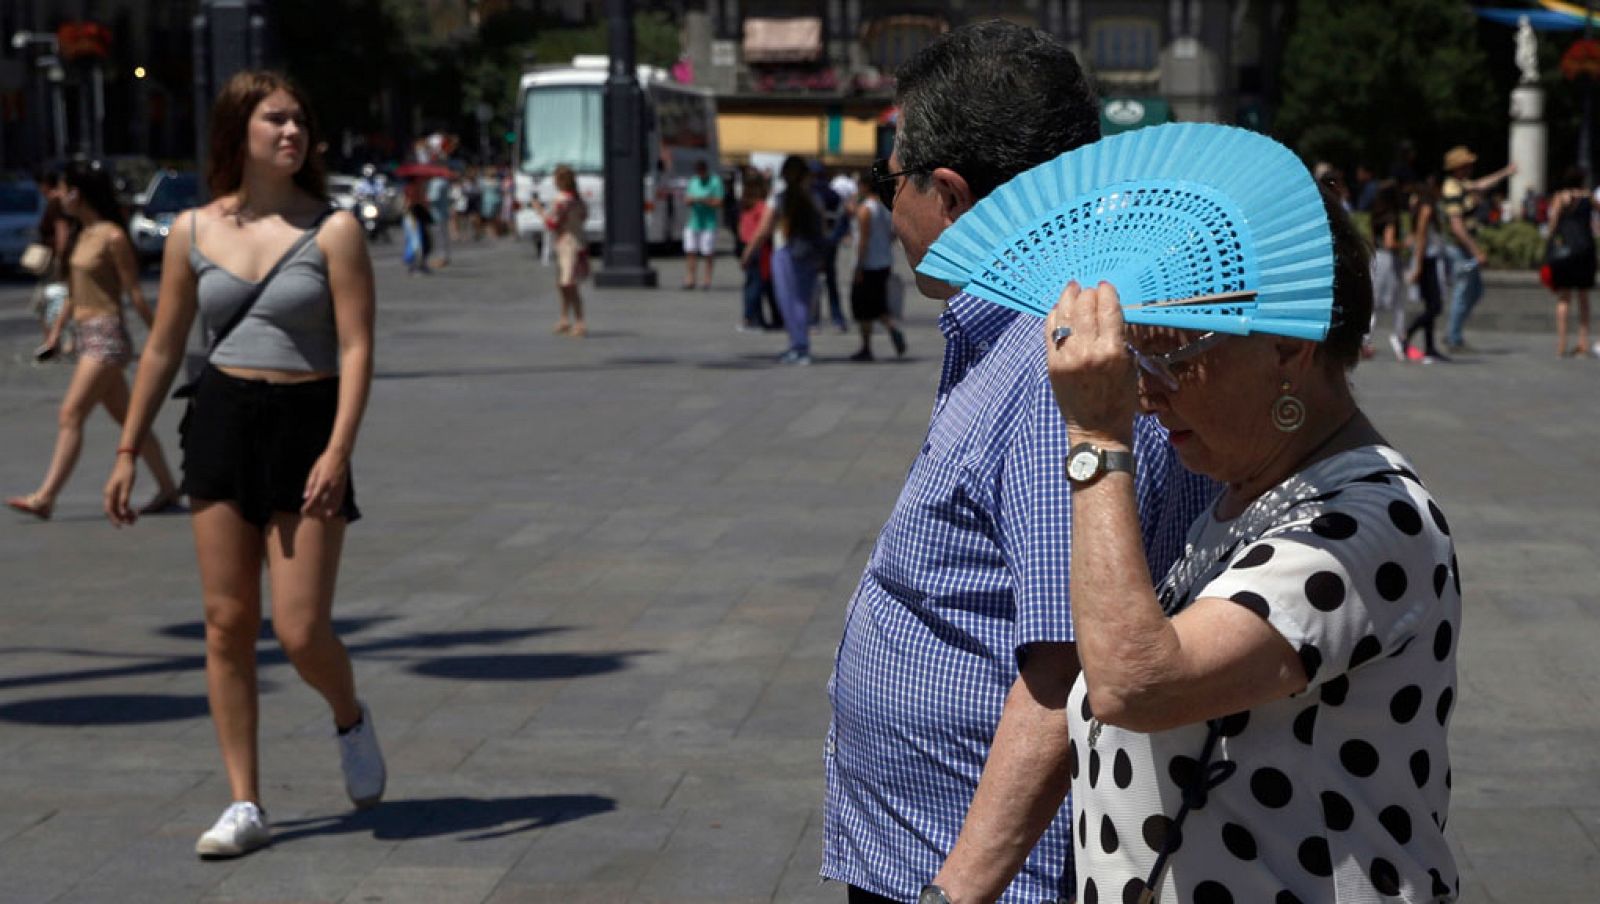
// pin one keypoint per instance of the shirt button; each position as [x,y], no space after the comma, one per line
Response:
[983,347]
[828,746]
[926,448]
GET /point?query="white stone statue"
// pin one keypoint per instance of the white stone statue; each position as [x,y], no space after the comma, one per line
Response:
[1527,55]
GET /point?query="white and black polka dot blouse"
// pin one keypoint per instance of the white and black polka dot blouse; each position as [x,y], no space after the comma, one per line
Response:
[1339,793]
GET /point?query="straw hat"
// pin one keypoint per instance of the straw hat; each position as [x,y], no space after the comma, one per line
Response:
[1458,157]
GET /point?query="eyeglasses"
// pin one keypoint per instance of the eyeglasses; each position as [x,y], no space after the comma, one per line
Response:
[1161,366]
[885,184]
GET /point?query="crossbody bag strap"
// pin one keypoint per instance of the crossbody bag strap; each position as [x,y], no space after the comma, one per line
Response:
[300,243]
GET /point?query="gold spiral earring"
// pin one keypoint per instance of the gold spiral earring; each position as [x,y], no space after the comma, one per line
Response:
[1288,412]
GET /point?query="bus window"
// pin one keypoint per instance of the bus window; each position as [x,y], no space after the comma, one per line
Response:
[562,124]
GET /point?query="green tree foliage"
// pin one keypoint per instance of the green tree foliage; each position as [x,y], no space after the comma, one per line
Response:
[1360,76]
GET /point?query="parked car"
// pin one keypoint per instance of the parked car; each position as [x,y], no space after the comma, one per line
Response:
[21,205]
[168,193]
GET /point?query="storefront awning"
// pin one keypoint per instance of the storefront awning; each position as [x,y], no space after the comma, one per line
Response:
[1124,114]
[797,40]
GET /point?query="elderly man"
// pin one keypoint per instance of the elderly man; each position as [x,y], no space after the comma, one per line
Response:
[946,758]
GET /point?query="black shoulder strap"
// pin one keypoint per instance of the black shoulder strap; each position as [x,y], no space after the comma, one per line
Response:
[300,243]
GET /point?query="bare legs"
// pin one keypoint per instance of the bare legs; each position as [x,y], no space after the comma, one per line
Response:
[573,303]
[1563,303]
[95,383]
[302,555]
[689,268]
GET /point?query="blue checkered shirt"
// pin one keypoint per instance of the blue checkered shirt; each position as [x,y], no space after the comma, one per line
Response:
[970,569]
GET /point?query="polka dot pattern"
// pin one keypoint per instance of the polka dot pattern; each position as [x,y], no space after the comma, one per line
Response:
[1335,526]
[1340,785]
[1252,601]
[1239,842]
[1305,725]
[1391,581]
[1337,814]
[1359,758]
[1404,704]
[1314,857]
[1271,788]
[1385,878]
[1325,590]
[1405,518]
[1367,649]
[1258,555]
[1397,821]
[1122,769]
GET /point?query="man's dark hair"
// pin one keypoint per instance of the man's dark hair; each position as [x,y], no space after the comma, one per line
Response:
[990,101]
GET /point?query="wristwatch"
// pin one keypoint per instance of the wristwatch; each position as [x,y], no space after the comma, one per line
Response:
[1086,462]
[932,894]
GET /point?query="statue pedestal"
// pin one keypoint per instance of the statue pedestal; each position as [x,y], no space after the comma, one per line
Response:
[1529,141]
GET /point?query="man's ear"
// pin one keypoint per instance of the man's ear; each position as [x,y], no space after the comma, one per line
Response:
[955,195]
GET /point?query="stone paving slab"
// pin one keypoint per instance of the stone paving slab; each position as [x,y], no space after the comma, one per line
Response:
[596,596]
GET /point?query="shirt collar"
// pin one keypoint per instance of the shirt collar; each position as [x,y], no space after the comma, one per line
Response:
[974,320]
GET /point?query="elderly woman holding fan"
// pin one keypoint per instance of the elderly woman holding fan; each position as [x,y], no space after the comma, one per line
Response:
[1269,722]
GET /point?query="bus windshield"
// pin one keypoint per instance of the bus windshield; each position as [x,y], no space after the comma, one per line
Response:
[562,124]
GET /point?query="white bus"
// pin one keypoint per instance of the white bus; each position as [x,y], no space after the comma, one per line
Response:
[560,119]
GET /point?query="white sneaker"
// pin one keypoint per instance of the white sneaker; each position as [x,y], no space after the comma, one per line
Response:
[239,830]
[1398,345]
[362,762]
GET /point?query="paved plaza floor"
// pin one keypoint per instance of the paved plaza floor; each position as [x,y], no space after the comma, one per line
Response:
[595,599]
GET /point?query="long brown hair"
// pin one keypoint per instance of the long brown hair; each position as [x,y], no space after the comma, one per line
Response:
[230,130]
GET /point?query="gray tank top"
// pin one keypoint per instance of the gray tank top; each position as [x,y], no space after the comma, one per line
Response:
[291,326]
[880,237]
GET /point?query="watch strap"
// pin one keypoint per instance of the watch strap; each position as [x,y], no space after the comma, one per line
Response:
[1117,460]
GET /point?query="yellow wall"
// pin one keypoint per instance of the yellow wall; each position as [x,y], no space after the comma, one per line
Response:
[806,134]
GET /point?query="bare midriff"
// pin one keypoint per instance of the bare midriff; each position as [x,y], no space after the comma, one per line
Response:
[277,376]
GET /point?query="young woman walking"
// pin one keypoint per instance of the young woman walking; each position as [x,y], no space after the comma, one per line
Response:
[100,268]
[271,425]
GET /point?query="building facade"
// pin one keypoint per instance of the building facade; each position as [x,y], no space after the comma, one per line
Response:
[817,76]
[98,77]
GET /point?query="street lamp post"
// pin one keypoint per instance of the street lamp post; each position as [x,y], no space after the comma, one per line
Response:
[1588,96]
[50,66]
[625,260]
[229,35]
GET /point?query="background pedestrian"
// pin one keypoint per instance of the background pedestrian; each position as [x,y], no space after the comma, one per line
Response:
[563,225]
[101,268]
[1570,255]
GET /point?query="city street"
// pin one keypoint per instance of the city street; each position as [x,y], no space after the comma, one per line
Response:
[595,596]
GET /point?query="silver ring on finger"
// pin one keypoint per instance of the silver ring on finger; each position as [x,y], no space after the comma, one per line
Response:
[1059,335]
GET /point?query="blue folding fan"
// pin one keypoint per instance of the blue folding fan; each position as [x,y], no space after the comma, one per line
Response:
[1198,226]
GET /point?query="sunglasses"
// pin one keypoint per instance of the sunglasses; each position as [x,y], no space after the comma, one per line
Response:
[886,184]
[1161,366]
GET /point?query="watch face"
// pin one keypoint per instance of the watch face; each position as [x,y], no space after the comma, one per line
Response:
[1083,465]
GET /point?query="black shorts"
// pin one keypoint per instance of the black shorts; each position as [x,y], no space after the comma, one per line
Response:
[869,298]
[253,443]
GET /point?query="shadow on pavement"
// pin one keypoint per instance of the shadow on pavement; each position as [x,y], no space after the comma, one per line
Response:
[523,666]
[485,818]
[115,709]
[104,709]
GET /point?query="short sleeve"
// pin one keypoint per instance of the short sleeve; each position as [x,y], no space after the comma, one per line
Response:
[1453,198]
[1343,584]
[1036,520]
